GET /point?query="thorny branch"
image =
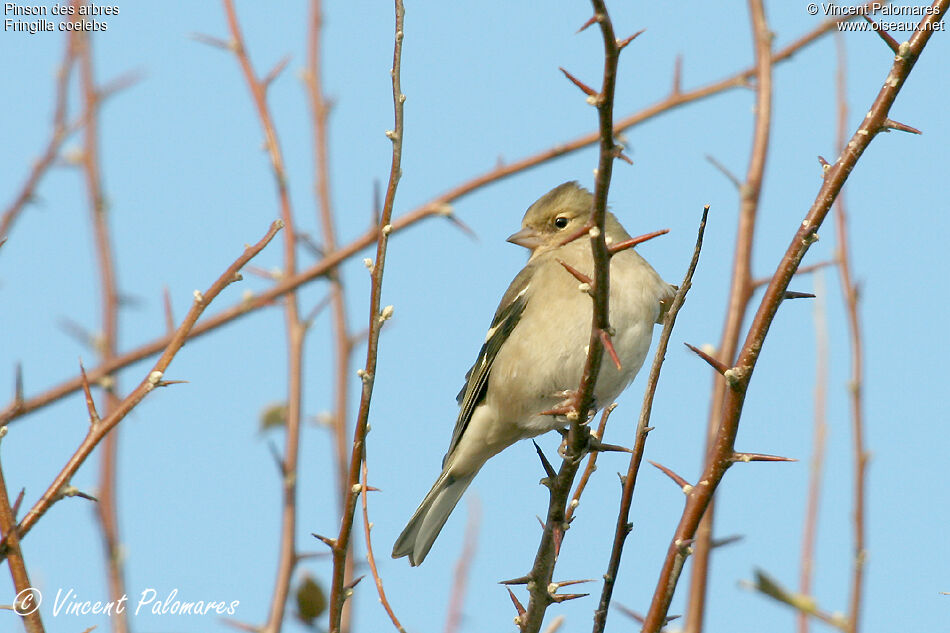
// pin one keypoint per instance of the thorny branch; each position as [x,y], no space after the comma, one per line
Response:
[849,291]
[370,558]
[107,342]
[296,329]
[643,428]
[377,317]
[25,594]
[816,466]
[740,375]
[578,436]
[740,293]
[343,340]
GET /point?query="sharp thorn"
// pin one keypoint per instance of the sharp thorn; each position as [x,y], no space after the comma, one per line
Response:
[760,457]
[169,317]
[90,403]
[791,294]
[890,41]
[590,92]
[592,19]
[514,600]
[355,582]
[594,445]
[462,226]
[548,469]
[568,596]
[724,171]
[613,249]
[16,504]
[609,346]
[18,385]
[166,383]
[211,41]
[621,44]
[578,275]
[678,75]
[890,124]
[329,542]
[722,542]
[523,580]
[567,583]
[275,71]
[716,364]
[682,483]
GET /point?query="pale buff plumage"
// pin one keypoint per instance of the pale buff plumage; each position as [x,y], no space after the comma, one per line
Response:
[536,348]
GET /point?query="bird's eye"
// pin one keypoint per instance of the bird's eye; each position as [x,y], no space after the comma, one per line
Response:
[561,222]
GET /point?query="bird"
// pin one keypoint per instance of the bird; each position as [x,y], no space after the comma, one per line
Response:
[536,347]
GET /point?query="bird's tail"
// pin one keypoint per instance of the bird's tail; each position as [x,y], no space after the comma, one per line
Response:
[424,526]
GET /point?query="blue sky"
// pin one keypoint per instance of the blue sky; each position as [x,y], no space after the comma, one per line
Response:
[188,186]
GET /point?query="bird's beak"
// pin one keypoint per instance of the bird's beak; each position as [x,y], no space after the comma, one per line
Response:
[527,237]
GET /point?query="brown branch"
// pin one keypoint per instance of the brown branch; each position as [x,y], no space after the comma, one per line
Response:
[820,429]
[370,558]
[457,597]
[296,330]
[849,293]
[740,293]
[578,434]
[58,136]
[343,343]
[438,206]
[154,379]
[376,319]
[720,367]
[890,41]
[25,594]
[802,270]
[320,108]
[698,500]
[643,428]
[591,465]
[684,485]
[106,509]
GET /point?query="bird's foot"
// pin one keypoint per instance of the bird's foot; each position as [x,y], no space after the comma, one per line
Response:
[569,405]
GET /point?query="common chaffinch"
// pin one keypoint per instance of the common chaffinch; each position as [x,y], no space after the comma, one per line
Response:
[536,347]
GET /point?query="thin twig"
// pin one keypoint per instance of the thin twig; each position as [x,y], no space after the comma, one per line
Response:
[590,468]
[343,342]
[820,429]
[849,292]
[338,592]
[57,137]
[106,509]
[578,434]
[320,111]
[740,293]
[25,594]
[370,558]
[296,330]
[643,428]
[463,566]
[805,235]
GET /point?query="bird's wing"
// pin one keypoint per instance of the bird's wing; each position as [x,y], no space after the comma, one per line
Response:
[476,380]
